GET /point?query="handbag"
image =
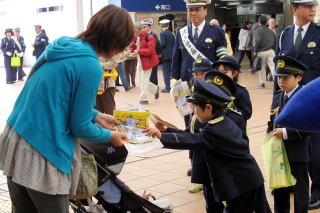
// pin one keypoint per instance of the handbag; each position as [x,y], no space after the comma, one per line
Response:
[15,61]
[88,180]
[276,163]
[256,64]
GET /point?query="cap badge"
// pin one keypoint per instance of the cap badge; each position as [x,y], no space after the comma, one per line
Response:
[208,40]
[217,80]
[193,1]
[281,64]
[312,44]
[199,61]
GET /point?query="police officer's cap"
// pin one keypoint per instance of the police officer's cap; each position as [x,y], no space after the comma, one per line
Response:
[37,26]
[286,65]
[204,92]
[224,82]
[17,29]
[146,23]
[202,64]
[8,30]
[164,22]
[228,60]
[197,3]
[305,2]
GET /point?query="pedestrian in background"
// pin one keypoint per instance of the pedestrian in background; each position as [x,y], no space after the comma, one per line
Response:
[41,41]
[56,106]
[7,48]
[20,48]
[167,42]
[245,43]
[264,44]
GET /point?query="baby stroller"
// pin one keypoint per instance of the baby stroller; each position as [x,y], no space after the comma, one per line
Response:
[122,199]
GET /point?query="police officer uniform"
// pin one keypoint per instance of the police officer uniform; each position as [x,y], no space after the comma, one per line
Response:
[210,42]
[233,172]
[295,142]
[242,100]
[20,48]
[167,42]
[40,43]
[7,48]
[308,53]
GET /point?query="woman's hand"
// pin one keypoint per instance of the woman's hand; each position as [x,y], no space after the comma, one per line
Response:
[116,138]
[153,132]
[161,127]
[106,121]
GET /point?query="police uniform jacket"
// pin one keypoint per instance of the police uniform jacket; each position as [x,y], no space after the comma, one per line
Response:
[243,103]
[20,39]
[309,52]
[297,144]
[211,38]
[167,42]
[233,170]
[199,172]
[7,45]
[40,44]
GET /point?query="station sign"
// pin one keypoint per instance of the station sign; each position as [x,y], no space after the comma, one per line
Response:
[151,5]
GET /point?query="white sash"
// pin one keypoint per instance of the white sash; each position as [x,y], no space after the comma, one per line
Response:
[17,43]
[192,50]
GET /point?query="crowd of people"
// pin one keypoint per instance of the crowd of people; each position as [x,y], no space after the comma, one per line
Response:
[80,99]
[13,45]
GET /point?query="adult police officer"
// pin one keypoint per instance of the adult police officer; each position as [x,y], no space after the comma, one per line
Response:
[197,40]
[20,48]
[7,48]
[302,41]
[167,42]
[41,41]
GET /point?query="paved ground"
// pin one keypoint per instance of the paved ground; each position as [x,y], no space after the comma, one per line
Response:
[163,173]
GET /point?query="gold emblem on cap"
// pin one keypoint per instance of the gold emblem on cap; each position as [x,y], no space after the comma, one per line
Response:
[208,40]
[281,64]
[199,61]
[217,80]
[312,44]
[193,1]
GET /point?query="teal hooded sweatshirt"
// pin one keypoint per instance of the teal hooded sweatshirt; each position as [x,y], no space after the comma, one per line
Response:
[56,103]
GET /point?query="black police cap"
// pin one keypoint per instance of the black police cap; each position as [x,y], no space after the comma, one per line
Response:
[202,64]
[305,2]
[204,92]
[224,82]
[8,30]
[228,60]
[287,65]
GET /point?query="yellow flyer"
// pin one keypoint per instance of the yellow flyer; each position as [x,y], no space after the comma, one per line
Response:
[132,119]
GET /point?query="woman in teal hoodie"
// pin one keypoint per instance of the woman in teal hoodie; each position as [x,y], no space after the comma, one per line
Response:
[38,151]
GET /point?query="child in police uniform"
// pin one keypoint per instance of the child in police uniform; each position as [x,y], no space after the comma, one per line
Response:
[289,73]
[231,67]
[233,171]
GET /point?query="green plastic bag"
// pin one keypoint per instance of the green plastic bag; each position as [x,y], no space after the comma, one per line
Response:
[15,61]
[276,163]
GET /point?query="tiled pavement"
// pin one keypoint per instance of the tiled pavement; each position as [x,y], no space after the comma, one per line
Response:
[163,173]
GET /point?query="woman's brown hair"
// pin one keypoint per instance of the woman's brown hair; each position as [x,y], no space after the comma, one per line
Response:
[109,31]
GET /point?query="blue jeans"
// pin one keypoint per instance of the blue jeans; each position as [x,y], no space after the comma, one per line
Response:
[122,75]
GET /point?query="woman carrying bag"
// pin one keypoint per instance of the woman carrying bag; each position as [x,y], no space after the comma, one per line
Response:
[38,151]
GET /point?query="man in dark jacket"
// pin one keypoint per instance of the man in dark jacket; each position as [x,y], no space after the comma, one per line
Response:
[167,42]
[41,41]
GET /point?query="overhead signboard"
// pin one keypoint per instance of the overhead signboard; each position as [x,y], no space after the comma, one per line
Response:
[151,5]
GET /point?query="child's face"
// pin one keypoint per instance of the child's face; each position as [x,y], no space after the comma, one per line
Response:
[226,71]
[203,115]
[288,83]
[200,74]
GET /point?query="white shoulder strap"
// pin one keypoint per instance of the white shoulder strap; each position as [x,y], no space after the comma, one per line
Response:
[192,50]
